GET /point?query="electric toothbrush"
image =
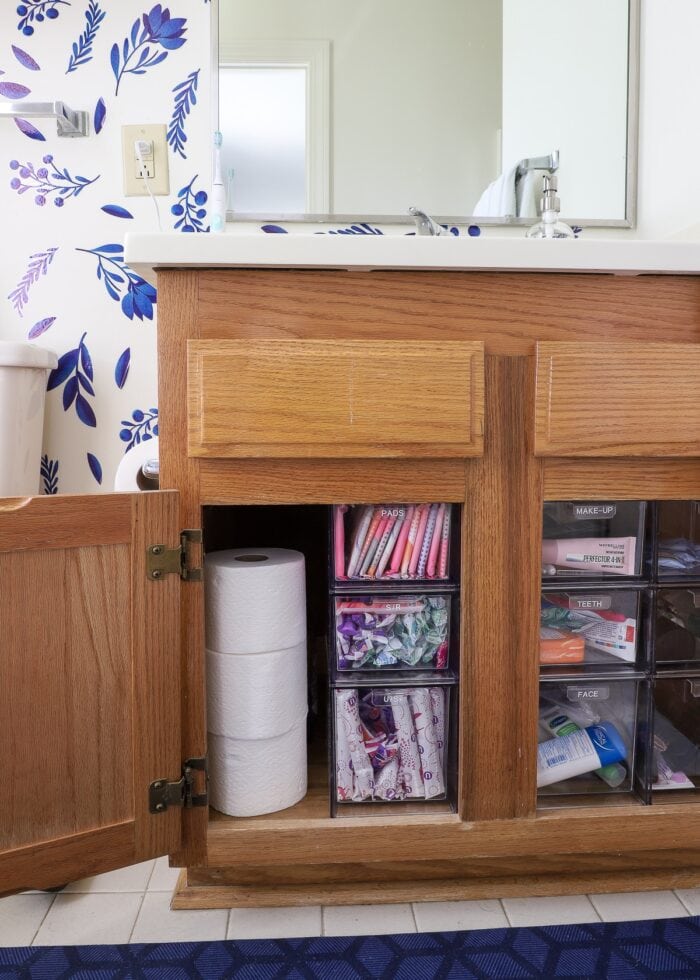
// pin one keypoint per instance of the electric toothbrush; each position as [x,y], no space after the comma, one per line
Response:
[218,189]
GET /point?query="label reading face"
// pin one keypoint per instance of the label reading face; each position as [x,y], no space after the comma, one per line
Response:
[598,692]
[594,602]
[584,512]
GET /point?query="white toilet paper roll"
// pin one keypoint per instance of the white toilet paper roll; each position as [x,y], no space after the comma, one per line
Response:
[251,777]
[256,695]
[256,600]
[128,475]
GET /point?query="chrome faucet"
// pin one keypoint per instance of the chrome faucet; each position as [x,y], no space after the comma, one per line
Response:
[425,224]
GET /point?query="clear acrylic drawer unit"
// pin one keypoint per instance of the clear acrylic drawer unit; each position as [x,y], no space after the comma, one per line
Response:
[675,758]
[678,540]
[586,626]
[396,542]
[677,627]
[593,539]
[391,744]
[394,631]
[588,740]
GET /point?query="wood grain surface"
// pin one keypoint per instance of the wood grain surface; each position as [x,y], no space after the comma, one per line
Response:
[614,399]
[335,398]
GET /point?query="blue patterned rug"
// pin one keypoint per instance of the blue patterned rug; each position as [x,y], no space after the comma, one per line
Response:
[616,951]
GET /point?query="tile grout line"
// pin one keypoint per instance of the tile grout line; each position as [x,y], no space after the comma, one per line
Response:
[43,919]
[600,917]
[228,923]
[153,871]
[323,920]
[680,899]
[412,907]
[136,917]
[505,912]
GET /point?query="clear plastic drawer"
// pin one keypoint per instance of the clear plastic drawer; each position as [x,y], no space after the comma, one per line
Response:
[593,539]
[675,758]
[592,626]
[678,539]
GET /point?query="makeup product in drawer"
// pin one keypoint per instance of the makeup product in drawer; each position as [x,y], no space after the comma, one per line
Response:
[597,722]
[394,542]
[595,626]
[593,539]
[390,743]
[678,539]
[392,631]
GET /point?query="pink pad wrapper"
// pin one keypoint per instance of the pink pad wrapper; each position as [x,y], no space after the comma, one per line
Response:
[445,542]
[428,747]
[349,717]
[437,701]
[411,541]
[418,544]
[427,540]
[397,557]
[435,543]
[339,541]
[409,759]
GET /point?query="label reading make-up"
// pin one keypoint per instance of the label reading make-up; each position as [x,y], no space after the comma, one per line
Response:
[584,512]
[600,693]
[594,602]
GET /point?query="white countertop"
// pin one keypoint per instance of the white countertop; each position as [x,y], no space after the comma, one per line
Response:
[146,253]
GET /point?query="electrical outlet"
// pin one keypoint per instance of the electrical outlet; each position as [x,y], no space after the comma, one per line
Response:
[156,160]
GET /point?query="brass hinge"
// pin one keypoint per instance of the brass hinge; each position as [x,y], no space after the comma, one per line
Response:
[163,794]
[161,560]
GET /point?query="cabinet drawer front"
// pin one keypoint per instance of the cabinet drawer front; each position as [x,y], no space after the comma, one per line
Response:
[617,400]
[328,398]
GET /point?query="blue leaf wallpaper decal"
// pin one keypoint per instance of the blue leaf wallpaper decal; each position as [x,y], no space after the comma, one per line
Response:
[274,229]
[35,11]
[49,475]
[142,426]
[136,296]
[24,126]
[25,59]
[99,117]
[185,98]
[116,210]
[75,382]
[81,51]
[121,370]
[45,182]
[361,229]
[13,90]
[95,467]
[139,51]
[41,327]
[38,266]
[190,210]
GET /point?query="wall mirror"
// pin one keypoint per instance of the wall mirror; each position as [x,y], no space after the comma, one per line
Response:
[332,109]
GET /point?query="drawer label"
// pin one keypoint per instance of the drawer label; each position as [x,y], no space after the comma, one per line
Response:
[601,692]
[590,602]
[583,512]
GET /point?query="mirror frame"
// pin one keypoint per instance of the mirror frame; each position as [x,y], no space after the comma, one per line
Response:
[631,178]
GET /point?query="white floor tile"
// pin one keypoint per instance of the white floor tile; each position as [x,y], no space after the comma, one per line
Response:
[690,898]
[449,916]
[164,878]
[549,911]
[90,919]
[130,879]
[21,916]
[275,923]
[158,923]
[367,920]
[623,906]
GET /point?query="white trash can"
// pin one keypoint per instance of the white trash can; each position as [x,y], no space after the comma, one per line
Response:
[24,371]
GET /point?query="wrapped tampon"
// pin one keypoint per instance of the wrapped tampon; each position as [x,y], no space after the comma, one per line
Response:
[349,717]
[428,747]
[409,759]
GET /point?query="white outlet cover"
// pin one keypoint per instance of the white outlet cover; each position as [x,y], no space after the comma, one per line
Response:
[160,183]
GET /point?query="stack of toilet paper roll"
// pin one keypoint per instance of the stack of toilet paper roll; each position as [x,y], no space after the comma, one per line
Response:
[256,679]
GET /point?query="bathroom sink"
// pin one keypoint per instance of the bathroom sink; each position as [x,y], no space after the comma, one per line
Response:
[146,253]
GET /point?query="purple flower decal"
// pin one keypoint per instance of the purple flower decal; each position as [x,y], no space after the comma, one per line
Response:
[140,51]
[45,182]
[190,210]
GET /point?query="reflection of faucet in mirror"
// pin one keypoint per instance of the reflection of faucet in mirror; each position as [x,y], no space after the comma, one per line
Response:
[425,224]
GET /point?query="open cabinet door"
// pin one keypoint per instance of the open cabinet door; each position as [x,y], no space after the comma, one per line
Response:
[90,675]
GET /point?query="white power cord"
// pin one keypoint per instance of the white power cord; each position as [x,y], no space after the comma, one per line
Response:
[141,147]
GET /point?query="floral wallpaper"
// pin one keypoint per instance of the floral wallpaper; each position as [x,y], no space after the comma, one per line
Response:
[64,283]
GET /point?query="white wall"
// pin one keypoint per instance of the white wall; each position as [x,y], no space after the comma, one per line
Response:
[556,96]
[382,113]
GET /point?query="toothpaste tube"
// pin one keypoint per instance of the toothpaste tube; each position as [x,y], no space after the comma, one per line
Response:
[603,629]
[609,555]
[560,646]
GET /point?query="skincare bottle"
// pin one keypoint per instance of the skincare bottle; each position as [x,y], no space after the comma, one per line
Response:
[559,724]
[218,190]
[578,753]
[550,226]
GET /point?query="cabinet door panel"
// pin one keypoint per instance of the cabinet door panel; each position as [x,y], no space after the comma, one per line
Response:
[617,399]
[335,398]
[91,685]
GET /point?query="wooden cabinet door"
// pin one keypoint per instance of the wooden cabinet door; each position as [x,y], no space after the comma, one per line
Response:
[90,685]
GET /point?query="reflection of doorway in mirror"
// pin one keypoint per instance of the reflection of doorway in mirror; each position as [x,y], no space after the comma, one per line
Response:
[273,98]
